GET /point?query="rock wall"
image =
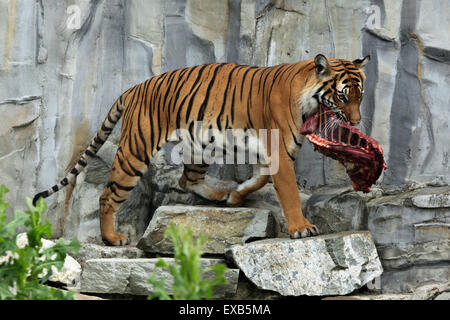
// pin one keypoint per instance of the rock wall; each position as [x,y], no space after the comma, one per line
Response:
[58,82]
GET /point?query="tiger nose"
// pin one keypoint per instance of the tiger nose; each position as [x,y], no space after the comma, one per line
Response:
[354,122]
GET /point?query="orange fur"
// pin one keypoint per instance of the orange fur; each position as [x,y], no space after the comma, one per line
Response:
[222,96]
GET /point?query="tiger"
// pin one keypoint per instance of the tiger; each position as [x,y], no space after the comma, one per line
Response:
[222,96]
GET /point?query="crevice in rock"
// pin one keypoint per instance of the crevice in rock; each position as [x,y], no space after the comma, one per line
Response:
[331,29]
[425,108]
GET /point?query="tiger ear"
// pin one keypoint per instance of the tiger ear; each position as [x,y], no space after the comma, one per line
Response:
[361,62]
[322,67]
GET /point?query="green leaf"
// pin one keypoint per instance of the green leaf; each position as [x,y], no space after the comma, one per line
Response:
[189,280]
[23,270]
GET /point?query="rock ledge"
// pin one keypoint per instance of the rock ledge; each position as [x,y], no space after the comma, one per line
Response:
[334,264]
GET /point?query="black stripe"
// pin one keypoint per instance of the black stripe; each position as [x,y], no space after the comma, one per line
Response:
[110,119]
[106,129]
[55,188]
[168,88]
[281,69]
[244,76]
[295,139]
[65,182]
[136,152]
[135,171]
[74,172]
[89,154]
[232,105]
[201,112]
[195,170]
[194,93]
[250,105]
[286,69]
[224,100]
[121,164]
[158,122]
[144,104]
[119,186]
[132,106]
[141,136]
[126,114]
[82,163]
[265,72]
[181,86]
[118,201]
[99,140]
[42,195]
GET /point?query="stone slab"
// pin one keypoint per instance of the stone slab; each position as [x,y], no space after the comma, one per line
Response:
[129,276]
[91,251]
[224,226]
[333,264]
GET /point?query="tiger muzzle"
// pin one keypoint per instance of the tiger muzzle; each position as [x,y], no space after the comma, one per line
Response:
[361,155]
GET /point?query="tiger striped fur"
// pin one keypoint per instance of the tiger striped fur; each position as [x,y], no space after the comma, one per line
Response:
[222,96]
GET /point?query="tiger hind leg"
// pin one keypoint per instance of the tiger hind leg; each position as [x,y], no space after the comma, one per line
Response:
[237,197]
[124,176]
[193,180]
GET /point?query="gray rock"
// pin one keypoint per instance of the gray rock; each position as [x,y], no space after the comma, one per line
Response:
[266,198]
[412,240]
[129,276]
[223,226]
[335,210]
[392,218]
[443,296]
[91,251]
[325,265]
[432,231]
[435,200]
[409,279]
[400,256]
[427,292]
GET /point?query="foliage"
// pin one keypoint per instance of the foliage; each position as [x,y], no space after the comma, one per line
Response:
[23,271]
[190,282]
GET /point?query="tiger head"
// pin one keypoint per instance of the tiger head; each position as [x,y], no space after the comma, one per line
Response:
[340,86]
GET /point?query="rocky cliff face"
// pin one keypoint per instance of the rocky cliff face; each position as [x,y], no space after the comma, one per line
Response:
[58,79]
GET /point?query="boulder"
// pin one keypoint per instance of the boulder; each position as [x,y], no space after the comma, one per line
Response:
[335,264]
[223,226]
[91,251]
[410,228]
[129,276]
[336,210]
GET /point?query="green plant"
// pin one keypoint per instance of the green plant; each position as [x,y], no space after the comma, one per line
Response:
[23,271]
[190,281]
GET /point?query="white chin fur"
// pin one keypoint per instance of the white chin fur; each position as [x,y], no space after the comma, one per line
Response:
[309,105]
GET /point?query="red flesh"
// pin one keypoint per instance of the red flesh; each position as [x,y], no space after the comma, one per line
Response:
[361,155]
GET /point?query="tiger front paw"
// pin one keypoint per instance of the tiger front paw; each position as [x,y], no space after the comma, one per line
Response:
[117,239]
[307,230]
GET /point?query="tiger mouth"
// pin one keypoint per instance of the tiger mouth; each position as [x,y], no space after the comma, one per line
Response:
[361,155]
[340,115]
